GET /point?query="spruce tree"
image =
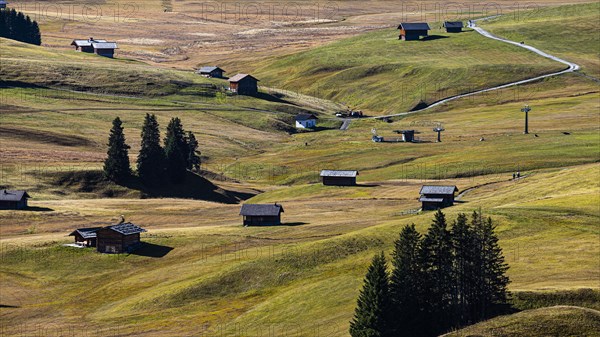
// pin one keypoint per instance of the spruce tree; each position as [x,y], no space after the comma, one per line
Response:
[405,285]
[464,253]
[116,165]
[370,316]
[151,159]
[193,158]
[436,261]
[176,151]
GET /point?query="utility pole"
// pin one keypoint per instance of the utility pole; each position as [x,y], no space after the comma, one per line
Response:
[439,133]
[526,110]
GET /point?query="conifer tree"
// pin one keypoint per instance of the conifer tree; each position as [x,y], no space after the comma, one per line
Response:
[17,26]
[193,159]
[151,159]
[464,253]
[370,316]
[405,285]
[116,165]
[176,151]
[436,261]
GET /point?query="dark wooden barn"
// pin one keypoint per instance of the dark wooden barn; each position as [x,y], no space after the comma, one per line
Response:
[121,238]
[244,84]
[435,197]
[210,71]
[407,135]
[98,47]
[453,26]
[13,199]
[413,31]
[338,178]
[86,236]
[261,214]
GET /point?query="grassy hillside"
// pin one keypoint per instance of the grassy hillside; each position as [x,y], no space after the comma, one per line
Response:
[559,30]
[553,321]
[379,73]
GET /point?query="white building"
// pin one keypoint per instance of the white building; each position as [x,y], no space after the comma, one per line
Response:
[306,121]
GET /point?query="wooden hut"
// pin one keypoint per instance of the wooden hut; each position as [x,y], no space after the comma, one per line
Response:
[413,31]
[86,236]
[13,199]
[98,47]
[453,26]
[120,238]
[306,121]
[338,178]
[261,214]
[435,197]
[210,71]
[244,84]
[407,135]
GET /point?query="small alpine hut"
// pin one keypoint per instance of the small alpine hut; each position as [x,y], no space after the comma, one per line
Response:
[306,121]
[407,135]
[210,71]
[413,31]
[435,197]
[86,236]
[3,4]
[13,199]
[244,84]
[453,26]
[261,214]
[338,178]
[120,238]
[98,47]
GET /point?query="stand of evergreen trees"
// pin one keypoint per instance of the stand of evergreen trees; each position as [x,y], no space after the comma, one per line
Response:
[443,280]
[17,26]
[155,164]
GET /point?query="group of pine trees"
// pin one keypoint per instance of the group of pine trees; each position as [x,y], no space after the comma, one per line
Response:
[154,163]
[17,26]
[448,278]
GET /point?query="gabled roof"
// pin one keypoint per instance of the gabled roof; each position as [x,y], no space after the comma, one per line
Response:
[209,69]
[414,26]
[127,228]
[85,43]
[2,2]
[305,117]
[261,210]
[86,233]
[14,195]
[240,77]
[453,24]
[434,189]
[104,45]
[336,173]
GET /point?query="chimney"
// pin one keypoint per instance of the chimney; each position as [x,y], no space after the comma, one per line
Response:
[91,39]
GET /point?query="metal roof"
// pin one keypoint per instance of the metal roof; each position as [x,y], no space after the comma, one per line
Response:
[240,77]
[431,199]
[261,209]
[85,43]
[414,26]
[8,195]
[336,173]
[127,228]
[453,24]
[433,189]
[2,2]
[104,45]
[86,233]
[305,117]
[209,69]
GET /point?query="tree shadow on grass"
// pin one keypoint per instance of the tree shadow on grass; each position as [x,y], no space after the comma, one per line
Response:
[433,37]
[38,209]
[152,250]
[367,185]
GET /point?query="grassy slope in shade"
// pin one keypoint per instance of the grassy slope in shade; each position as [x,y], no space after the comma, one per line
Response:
[564,31]
[552,321]
[379,73]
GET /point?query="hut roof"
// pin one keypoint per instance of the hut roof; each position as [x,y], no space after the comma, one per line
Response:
[14,195]
[86,233]
[434,189]
[240,77]
[305,117]
[209,69]
[127,228]
[453,24]
[104,45]
[2,2]
[414,26]
[85,43]
[337,173]
[261,209]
